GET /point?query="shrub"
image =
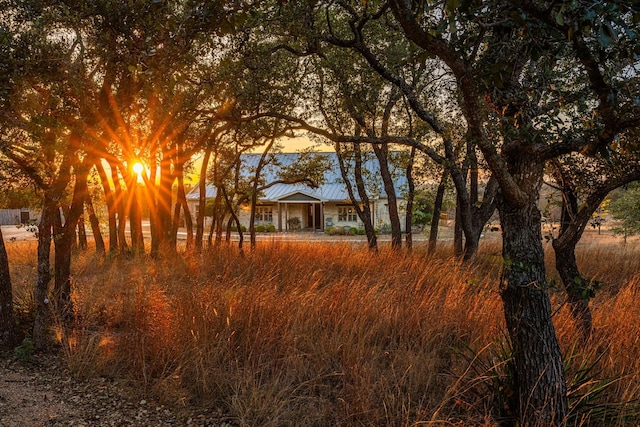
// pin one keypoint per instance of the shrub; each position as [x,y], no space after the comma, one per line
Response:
[260,228]
[353,231]
[270,228]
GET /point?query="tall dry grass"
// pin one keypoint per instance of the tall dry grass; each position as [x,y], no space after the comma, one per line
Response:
[319,334]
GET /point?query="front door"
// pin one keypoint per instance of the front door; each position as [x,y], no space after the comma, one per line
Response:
[314,220]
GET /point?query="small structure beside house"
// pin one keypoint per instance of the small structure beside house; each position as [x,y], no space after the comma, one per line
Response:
[16,216]
[290,207]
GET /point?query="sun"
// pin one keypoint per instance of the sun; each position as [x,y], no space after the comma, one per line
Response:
[138,168]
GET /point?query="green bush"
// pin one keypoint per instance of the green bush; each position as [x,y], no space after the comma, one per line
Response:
[361,232]
[260,228]
[353,231]
[271,228]
[25,350]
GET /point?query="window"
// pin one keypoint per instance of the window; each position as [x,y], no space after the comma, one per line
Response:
[347,214]
[264,214]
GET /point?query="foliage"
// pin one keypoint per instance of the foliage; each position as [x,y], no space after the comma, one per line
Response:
[423,207]
[344,231]
[625,207]
[491,373]
[25,350]
[294,223]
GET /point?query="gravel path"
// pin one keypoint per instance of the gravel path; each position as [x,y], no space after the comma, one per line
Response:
[40,393]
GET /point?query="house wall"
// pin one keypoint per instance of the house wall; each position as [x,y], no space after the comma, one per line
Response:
[15,216]
[331,211]
[380,215]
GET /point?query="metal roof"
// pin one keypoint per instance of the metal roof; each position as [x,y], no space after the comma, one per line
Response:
[332,190]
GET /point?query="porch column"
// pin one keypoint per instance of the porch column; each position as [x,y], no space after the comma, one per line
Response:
[322,216]
[279,218]
[313,217]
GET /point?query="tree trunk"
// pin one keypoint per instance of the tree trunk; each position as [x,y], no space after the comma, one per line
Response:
[574,284]
[95,226]
[382,153]
[202,200]
[437,209]
[111,209]
[135,218]
[82,234]
[364,212]
[119,208]
[527,307]
[64,241]
[7,327]
[458,249]
[411,193]
[164,202]
[234,218]
[41,288]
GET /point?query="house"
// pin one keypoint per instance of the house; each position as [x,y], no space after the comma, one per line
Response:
[298,206]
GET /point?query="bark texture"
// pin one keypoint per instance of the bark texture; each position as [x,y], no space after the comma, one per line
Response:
[527,307]
[7,327]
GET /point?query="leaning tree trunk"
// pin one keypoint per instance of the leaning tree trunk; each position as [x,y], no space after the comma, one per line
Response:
[575,285]
[7,327]
[95,226]
[382,153]
[364,212]
[437,209]
[202,200]
[527,308]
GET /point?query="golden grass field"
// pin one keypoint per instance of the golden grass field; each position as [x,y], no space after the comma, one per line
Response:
[327,334]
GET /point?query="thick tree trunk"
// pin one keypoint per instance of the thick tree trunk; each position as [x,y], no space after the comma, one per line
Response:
[527,307]
[7,327]
[64,241]
[41,288]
